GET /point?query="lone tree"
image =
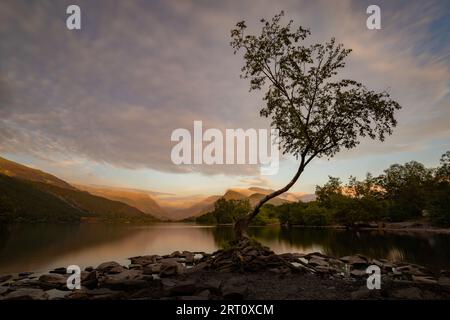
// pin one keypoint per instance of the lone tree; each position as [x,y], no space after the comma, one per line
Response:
[316,112]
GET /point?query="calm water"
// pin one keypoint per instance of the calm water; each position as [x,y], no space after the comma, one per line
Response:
[41,247]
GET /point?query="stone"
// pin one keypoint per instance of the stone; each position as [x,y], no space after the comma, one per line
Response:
[55,294]
[171,268]
[411,293]
[145,260]
[60,270]
[95,294]
[179,288]
[318,262]
[425,280]
[152,268]
[212,284]
[234,289]
[445,273]
[444,281]
[89,279]
[27,294]
[3,290]
[53,281]
[25,274]
[135,267]
[358,273]
[116,269]
[4,278]
[106,266]
[198,267]
[409,269]
[355,260]
[127,280]
[362,293]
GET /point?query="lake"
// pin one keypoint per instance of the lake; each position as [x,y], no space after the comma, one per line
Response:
[41,247]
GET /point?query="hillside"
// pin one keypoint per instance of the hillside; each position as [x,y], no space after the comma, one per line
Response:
[21,201]
[138,199]
[28,194]
[13,169]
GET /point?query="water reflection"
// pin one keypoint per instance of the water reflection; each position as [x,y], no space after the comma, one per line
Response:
[41,247]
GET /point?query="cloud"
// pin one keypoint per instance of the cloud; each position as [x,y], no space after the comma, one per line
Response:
[114,91]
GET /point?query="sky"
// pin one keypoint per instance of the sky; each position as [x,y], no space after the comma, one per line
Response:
[98,105]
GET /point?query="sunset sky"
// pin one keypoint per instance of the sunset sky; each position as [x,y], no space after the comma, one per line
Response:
[98,105]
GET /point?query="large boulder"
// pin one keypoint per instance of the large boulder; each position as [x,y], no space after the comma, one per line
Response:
[26,294]
[234,289]
[171,268]
[53,281]
[126,280]
[105,267]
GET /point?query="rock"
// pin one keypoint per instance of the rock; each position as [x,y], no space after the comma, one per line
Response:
[358,273]
[205,294]
[26,294]
[145,260]
[55,294]
[425,280]
[318,262]
[411,293]
[191,298]
[135,267]
[3,290]
[60,270]
[445,273]
[95,294]
[234,289]
[362,293]
[152,268]
[89,269]
[25,274]
[198,267]
[175,288]
[89,279]
[4,278]
[53,281]
[355,260]
[212,285]
[127,280]
[171,268]
[444,281]
[409,269]
[116,269]
[106,266]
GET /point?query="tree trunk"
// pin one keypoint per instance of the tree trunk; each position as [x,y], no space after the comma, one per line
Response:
[241,225]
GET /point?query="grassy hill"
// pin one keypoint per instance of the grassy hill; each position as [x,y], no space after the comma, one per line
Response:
[14,169]
[28,194]
[21,201]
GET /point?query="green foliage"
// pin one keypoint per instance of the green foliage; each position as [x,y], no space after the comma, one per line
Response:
[315,112]
[226,211]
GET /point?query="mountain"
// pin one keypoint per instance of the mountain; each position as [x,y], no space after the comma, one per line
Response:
[253,194]
[13,169]
[139,199]
[33,195]
[21,201]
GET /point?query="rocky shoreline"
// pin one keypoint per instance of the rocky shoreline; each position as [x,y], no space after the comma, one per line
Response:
[246,270]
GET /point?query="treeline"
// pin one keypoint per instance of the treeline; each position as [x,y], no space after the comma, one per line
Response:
[403,192]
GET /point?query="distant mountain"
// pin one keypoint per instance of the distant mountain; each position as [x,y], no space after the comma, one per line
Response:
[253,194]
[32,195]
[139,199]
[13,169]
